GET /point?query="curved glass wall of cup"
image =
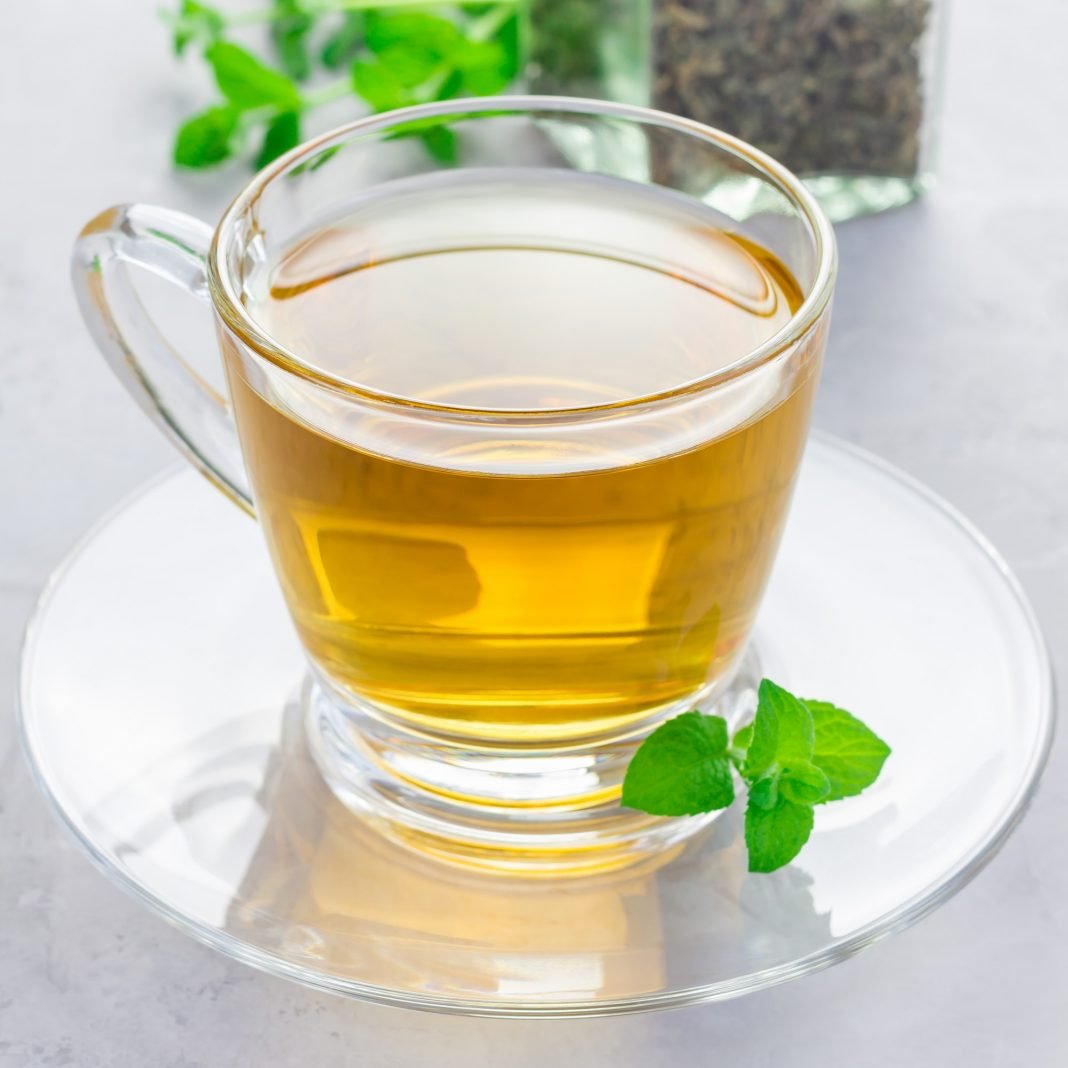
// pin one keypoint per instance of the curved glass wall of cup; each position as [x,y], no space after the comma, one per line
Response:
[377,159]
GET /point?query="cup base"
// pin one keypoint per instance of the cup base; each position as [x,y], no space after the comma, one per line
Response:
[552,811]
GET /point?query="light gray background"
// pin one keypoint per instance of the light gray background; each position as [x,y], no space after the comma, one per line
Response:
[948,357]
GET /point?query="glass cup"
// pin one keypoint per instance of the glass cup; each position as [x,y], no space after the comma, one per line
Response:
[498,600]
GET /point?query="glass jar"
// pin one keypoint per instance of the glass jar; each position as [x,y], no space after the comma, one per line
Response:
[843,92]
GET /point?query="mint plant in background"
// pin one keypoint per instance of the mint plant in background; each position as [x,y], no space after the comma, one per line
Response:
[386,55]
[793,756]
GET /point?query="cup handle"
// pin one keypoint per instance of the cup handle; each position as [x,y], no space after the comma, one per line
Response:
[196,417]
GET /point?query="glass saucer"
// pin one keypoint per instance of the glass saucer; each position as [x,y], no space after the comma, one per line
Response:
[161,704]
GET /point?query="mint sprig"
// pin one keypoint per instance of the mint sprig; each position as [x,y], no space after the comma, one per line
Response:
[381,52]
[793,756]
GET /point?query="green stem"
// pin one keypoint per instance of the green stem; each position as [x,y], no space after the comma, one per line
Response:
[249,120]
[486,27]
[428,90]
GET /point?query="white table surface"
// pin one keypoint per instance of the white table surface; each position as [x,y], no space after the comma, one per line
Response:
[949,356]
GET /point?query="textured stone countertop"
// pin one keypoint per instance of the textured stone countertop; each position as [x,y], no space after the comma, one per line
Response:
[949,357]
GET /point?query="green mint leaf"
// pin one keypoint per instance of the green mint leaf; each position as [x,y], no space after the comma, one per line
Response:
[508,37]
[850,754]
[416,31]
[743,739]
[764,793]
[379,86]
[775,836]
[195,22]
[484,66]
[248,83]
[782,731]
[441,143]
[289,29]
[452,86]
[804,784]
[282,134]
[681,768]
[207,138]
[410,66]
[344,43]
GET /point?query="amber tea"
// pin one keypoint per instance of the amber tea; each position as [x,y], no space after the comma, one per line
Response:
[507,591]
[520,422]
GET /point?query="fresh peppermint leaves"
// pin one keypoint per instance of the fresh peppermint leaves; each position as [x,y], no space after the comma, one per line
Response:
[289,31]
[793,756]
[246,82]
[205,138]
[385,54]
[775,835]
[282,134]
[849,754]
[195,22]
[682,768]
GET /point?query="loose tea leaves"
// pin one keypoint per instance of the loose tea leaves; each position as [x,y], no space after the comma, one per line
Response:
[825,86]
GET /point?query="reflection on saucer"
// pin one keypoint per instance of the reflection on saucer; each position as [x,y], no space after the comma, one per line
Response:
[506,936]
[372,907]
[327,891]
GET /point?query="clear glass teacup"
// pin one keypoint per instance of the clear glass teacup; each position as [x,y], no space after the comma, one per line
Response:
[518,390]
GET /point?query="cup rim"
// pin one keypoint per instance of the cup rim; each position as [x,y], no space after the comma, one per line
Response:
[224,293]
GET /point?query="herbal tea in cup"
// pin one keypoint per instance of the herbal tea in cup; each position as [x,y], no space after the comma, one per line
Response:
[521,434]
